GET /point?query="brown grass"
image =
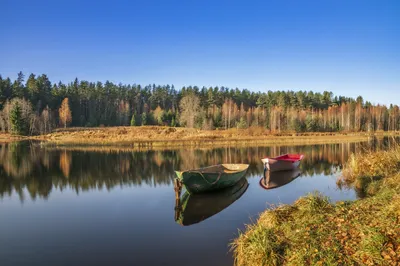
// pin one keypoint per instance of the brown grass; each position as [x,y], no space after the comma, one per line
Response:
[366,167]
[156,136]
[5,137]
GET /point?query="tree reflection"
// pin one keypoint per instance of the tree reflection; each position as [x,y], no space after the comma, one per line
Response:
[37,170]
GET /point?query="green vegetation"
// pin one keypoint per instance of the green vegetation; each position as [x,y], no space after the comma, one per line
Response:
[16,120]
[133,121]
[92,104]
[313,231]
[144,119]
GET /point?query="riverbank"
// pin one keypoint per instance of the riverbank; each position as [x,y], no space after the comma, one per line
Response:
[156,136]
[314,231]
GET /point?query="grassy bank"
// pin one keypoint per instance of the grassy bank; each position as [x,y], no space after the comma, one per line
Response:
[156,136]
[313,231]
[5,138]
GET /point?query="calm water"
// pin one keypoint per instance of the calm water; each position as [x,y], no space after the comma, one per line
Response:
[62,207]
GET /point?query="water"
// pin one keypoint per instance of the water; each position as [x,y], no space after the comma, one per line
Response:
[116,207]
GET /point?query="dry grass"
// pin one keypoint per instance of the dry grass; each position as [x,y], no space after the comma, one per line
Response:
[5,137]
[153,136]
[367,167]
[314,231]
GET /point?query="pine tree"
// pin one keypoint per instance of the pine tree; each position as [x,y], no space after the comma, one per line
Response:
[144,118]
[133,121]
[16,120]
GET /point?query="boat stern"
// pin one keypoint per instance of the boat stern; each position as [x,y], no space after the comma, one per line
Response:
[179,175]
[265,162]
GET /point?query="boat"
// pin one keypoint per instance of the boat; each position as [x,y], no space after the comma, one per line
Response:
[283,162]
[211,178]
[194,208]
[277,179]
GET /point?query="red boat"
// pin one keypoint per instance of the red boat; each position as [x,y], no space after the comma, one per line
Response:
[283,162]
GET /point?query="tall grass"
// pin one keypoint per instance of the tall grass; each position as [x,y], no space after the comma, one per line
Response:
[365,169]
[313,231]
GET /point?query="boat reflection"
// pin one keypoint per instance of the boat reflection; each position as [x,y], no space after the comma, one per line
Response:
[278,179]
[194,208]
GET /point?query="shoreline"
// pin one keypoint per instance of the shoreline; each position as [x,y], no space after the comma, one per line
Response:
[151,137]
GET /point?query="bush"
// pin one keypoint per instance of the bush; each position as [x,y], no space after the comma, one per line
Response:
[242,123]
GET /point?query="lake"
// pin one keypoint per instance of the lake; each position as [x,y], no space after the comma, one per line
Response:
[117,207]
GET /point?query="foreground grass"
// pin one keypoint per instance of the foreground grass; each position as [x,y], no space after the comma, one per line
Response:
[314,231]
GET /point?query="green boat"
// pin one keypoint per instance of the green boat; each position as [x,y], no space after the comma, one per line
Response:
[212,177]
[194,208]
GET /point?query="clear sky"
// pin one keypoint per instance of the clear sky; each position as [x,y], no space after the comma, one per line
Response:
[348,47]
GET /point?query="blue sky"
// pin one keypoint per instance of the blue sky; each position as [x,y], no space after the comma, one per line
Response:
[349,47]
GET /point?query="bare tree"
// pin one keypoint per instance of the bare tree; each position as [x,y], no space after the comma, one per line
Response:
[190,106]
[45,118]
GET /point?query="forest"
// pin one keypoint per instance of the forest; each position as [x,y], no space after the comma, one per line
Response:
[35,105]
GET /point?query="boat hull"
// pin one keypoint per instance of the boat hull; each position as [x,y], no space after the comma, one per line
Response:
[197,181]
[274,165]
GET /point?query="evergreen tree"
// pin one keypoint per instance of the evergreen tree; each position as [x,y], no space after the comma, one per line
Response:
[17,123]
[18,88]
[133,121]
[109,104]
[144,118]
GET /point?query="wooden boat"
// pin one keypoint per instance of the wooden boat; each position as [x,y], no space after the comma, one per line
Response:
[283,162]
[212,177]
[277,179]
[194,208]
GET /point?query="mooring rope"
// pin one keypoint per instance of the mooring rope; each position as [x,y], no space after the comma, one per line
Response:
[211,184]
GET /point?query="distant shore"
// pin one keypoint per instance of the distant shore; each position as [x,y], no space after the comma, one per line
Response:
[156,136]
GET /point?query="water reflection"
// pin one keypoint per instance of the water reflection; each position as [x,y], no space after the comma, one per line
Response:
[37,170]
[194,208]
[278,179]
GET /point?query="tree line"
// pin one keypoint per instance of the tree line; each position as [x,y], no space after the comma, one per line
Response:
[35,106]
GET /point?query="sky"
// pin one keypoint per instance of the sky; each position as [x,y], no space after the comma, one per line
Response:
[348,47]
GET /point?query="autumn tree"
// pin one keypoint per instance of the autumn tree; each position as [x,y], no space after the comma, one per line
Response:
[65,113]
[158,115]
